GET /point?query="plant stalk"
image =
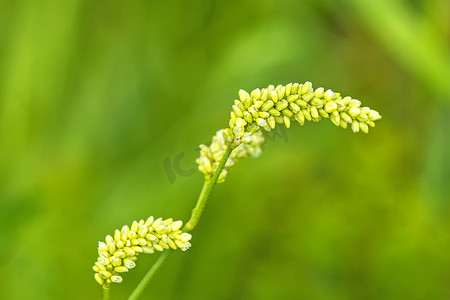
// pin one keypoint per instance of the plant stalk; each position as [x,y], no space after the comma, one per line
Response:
[208,187]
[106,289]
[150,274]
[190,225]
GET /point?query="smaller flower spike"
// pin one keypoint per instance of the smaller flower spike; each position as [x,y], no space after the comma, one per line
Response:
[119,252]
[250,145]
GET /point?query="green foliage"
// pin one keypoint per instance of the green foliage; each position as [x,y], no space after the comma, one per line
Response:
[98,99]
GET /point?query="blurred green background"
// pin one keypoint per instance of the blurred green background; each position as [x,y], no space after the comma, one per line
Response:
[98,99]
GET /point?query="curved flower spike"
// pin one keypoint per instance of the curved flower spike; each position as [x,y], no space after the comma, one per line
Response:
[294,102]
[211,156]
[119,252]
[282,104]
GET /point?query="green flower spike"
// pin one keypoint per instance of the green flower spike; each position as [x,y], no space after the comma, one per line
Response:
[294,102]
[118,254]
[211,156]
[278,105]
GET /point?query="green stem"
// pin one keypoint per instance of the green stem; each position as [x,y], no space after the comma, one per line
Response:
[148,277]
[195,216]
[206,192]
[106,289]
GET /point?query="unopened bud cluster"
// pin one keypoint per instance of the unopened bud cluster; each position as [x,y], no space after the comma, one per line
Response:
[294,102]
[211,156]
[119,252]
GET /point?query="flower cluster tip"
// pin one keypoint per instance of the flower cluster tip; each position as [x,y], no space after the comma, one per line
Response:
[283,104]
[118,253]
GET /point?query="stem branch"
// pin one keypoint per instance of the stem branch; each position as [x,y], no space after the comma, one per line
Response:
[145,281]
[206,192]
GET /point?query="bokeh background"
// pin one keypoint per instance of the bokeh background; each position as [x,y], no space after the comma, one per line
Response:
[103,106]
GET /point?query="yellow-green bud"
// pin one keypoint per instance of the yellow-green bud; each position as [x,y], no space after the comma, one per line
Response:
[330,106]
[335,118]
[294,107]
[237,111]
[314,112]
[287,112]
[271,122]
[287,121]
[307,87]
[354,111]
[256,93]
[281,105]
[308,97]
[288,89]
[264,114]
[319,92]
[116,279]
[306,114]
[99,279]
[264,94]
[292,98]
[240,122]
[243,95]
[346,117]
[274,96]
[363,126]
[329,95]
[355,126]
[274,112]
[281,93]
[373,115]
[294,88]
[299,117]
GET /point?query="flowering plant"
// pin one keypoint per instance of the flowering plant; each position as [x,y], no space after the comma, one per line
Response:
[262,109]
